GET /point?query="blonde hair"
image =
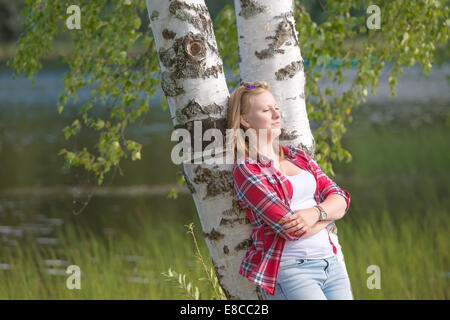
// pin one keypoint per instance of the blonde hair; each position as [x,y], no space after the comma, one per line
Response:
[239,104]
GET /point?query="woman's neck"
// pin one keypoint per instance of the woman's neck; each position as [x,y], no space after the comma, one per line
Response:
[267,150]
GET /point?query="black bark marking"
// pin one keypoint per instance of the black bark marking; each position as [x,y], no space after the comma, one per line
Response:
[168,34]
[226,250]
[170,85]
[244,245]
[217,181]
[288,29]
[213,235]
[288,135]
[250,8]
[289,71]
[154,16]
[285,34]
[213,48]
[187,58]
[201,19]
[168,57]
[193,109]
[235,210]
[231,222]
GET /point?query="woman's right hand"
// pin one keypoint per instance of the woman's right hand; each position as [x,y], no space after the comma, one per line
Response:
[301,221]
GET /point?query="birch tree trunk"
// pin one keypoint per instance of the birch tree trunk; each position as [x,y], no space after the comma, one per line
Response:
[193,81]
[269,51]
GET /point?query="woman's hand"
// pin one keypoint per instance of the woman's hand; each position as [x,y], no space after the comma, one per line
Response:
[300,222]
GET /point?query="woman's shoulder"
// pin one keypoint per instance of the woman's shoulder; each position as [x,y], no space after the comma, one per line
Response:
[247,165]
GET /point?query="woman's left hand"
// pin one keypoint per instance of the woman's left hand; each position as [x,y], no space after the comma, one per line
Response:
[301,221]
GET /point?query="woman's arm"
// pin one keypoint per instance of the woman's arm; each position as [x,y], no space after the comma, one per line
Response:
[305,220]
[335,206]
[329,189]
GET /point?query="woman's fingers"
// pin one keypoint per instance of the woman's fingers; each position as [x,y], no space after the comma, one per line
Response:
[303,229]
[293,226]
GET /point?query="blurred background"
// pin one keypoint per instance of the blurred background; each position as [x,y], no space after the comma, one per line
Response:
[127,233]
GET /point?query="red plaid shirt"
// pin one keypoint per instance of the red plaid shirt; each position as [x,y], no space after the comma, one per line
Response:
[265,194]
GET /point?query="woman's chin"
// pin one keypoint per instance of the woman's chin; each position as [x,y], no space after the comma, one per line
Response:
[275,132]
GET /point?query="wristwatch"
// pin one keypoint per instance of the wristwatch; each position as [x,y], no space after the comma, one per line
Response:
[322,213]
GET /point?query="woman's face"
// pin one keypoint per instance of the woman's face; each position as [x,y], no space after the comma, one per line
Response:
[263,114]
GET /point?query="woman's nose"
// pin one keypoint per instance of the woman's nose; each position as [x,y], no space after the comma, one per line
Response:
[276,114]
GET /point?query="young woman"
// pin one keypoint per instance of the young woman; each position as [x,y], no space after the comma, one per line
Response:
[289,202]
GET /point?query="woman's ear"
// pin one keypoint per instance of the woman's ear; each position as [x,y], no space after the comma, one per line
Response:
[244,122]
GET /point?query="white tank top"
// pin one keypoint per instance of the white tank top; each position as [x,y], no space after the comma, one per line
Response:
[317,246]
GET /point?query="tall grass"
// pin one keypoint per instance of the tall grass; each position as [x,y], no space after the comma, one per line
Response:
[399,217]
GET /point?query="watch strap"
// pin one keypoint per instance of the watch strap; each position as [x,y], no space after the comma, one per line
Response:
[321,211]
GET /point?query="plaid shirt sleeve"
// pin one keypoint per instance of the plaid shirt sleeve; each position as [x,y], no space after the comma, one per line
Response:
[254,191]
[326,185]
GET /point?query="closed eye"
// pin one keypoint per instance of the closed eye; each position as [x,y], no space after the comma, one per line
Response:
[277,108]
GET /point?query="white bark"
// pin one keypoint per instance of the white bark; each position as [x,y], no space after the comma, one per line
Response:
[194,84]
[274,56]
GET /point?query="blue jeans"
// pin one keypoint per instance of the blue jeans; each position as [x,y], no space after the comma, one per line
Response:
[311,279]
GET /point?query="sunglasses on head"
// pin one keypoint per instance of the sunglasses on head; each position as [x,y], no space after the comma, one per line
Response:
[250,85]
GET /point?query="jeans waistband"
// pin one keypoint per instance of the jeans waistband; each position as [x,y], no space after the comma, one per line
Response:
[293,261]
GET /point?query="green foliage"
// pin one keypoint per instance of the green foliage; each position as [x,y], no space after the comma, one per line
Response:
[180,279]
[409,34]
[227,42]
[190,291]
[173,193]
[103,54]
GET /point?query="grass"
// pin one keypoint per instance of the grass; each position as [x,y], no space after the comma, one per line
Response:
[398,220]
[104,262]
